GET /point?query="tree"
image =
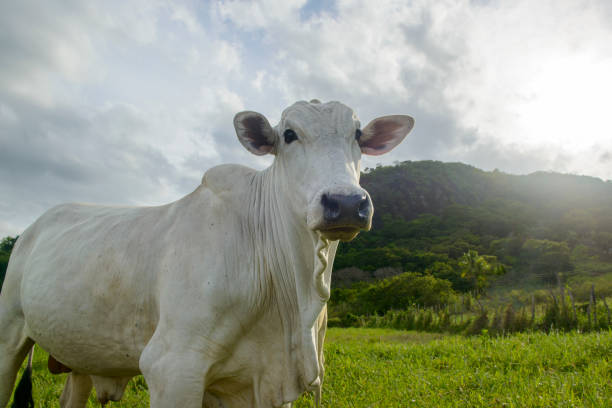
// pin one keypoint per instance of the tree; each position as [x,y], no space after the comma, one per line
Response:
[6,246]
[479,270]
[546,258]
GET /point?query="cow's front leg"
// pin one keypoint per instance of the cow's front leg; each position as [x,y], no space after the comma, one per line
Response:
[176,378]
[76,391]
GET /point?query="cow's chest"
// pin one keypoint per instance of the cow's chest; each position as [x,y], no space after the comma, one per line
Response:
[262,370]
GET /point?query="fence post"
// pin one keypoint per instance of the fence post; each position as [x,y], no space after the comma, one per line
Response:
[561,292]
[603,298]
[594,301]
[573,306]
[532,309]
[554,298]
[590,312]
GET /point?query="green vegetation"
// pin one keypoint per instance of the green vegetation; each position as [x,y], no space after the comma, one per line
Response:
[388,368]
[385,368]
[429,213]
[6,246]
[498,238]
[412,302]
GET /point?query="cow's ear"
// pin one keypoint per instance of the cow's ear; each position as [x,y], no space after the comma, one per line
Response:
[254,132]
[384,133]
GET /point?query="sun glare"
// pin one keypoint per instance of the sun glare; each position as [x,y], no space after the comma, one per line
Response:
[567,105]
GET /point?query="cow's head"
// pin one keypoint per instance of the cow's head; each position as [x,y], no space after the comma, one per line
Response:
[318,149]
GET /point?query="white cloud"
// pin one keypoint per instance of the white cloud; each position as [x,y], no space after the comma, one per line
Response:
[42,47]
[259,80]
[130,102]
[263,14]
[535,75]
[185,16]
[521,76]
[100,105]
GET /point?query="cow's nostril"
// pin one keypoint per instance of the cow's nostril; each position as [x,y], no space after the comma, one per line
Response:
[331,208]
[364,208]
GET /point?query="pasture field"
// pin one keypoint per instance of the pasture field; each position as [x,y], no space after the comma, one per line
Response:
[388,368]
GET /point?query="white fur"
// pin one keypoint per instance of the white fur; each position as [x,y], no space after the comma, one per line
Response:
[218,298]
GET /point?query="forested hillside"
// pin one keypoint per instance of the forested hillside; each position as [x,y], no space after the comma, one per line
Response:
[540,227]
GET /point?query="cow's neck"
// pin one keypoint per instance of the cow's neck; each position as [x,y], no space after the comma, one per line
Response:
[294,264]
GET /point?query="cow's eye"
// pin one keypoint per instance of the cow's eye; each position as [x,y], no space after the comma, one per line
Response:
[290,136]
[357,134]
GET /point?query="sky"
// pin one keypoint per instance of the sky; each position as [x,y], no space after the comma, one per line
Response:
[129,103]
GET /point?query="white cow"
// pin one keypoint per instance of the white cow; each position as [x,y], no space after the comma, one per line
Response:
[219,298]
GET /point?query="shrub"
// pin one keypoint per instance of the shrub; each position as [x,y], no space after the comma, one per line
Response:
[508,323]
[334,322]
[349,320]
[402,291]
[478,325]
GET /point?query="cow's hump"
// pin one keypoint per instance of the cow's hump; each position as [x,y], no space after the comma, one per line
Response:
[228,178]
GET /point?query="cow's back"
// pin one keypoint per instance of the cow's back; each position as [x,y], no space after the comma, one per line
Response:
[88,282]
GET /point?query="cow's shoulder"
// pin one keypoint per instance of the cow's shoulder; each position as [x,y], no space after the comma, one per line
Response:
[228,179]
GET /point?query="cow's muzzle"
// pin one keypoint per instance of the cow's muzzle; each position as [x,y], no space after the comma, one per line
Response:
[344,215]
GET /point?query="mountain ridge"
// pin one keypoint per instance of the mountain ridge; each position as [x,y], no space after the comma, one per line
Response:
[540,226]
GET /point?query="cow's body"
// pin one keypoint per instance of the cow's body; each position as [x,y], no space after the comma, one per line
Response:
[137,270]
[217,298]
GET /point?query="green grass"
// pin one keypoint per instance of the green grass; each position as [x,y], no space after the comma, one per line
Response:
[387,368]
